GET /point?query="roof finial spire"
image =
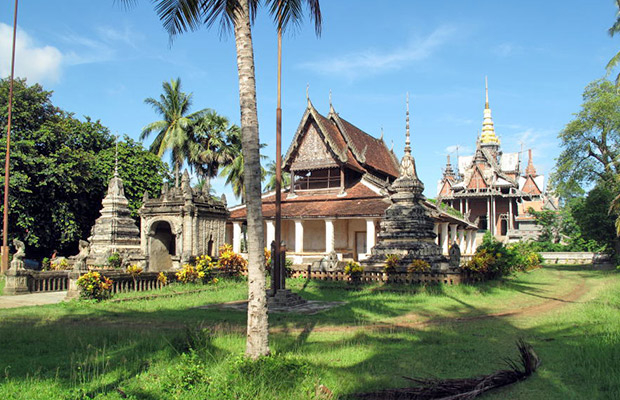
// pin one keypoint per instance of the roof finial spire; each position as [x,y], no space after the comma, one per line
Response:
[308,93]
[116,157]
[486,89]
[407,141]
[381,138]
[330,98]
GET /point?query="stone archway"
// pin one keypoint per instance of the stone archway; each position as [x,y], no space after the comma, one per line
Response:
[162,246]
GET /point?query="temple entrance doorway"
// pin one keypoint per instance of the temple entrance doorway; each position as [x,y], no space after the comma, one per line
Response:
[162,246]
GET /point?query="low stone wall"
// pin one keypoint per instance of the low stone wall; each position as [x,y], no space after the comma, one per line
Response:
[28,281]
[448,278]
[575,258]
[122,282]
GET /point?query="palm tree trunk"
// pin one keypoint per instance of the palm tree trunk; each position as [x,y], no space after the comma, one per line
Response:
[258,328]
[176,174]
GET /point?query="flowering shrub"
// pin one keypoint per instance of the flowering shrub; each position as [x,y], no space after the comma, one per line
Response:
[134,270]
[418,266]
[230,262]
[353,268]
[267,259]
[391,262]
[162,278]
[59,264]
[95,286]
[199,272]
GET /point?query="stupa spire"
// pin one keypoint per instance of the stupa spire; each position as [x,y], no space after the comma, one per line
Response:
[407,140]
[116,159]
[488,136]
[530,170]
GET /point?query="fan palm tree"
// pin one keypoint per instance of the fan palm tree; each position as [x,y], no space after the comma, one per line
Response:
[179,16]
[173,131]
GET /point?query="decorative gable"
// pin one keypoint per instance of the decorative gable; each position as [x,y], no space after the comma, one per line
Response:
[446,189]
[312,153]
[477,180]
[530,186]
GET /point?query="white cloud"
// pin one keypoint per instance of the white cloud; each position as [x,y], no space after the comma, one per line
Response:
[37,63]
[372,61]
[105,45]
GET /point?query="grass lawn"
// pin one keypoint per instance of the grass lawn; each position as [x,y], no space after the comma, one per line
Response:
[165,348]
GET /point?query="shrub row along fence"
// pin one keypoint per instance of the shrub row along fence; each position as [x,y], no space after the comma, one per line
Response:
[449,278]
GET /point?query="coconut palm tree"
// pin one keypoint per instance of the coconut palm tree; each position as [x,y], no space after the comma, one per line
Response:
[233,171]
[179,16]
[209,148]
[173,131]
[271,177]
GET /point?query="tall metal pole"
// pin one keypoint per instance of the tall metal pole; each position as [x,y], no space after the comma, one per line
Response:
[5,220]
[278,233]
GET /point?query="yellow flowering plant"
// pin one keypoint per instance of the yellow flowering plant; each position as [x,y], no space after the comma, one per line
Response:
[95,286]
[230,262]
[418,266]
[202,271]
[391,262]
[162,278]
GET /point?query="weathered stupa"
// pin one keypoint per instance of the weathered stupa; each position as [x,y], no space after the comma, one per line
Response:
[407,228]
[114,230]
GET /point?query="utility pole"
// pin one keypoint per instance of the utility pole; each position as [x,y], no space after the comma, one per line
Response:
[5,220]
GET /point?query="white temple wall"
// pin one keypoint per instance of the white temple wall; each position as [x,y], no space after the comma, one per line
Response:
[314,235]
[341,234]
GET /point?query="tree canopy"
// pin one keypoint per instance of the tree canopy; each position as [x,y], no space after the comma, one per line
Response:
[60,168]
[590,142]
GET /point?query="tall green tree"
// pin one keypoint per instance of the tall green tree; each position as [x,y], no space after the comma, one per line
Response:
[233,171]
[173,131]
[179,16]
[60,168]
[271,177]
[590,142]
[211,146]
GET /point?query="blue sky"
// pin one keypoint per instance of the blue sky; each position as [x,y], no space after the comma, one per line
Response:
[102,61]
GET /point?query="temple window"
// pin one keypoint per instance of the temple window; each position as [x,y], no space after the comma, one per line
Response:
[328,178]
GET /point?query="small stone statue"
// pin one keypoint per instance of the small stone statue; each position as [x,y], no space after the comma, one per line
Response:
[455,255]
[80,259]
[18,258]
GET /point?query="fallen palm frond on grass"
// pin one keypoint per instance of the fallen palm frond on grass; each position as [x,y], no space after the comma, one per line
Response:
[462,389]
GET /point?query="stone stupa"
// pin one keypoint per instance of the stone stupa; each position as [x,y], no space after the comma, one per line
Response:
[407,227]
[114,230]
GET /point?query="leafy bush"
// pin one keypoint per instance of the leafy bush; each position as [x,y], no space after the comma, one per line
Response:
[95,286]
[134,270]
[418,266]
[231,263]
[162,278]
[391,262]
[115,260]
[353,268]
[493,260]
[45,264]
[59,264]
[202,271]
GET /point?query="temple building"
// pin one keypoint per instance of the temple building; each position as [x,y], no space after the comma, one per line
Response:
[490,189]
[338,195]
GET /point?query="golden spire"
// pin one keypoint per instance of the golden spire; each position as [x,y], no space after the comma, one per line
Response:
[488,136]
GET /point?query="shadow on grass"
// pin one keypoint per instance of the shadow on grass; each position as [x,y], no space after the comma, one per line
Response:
[348,353]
